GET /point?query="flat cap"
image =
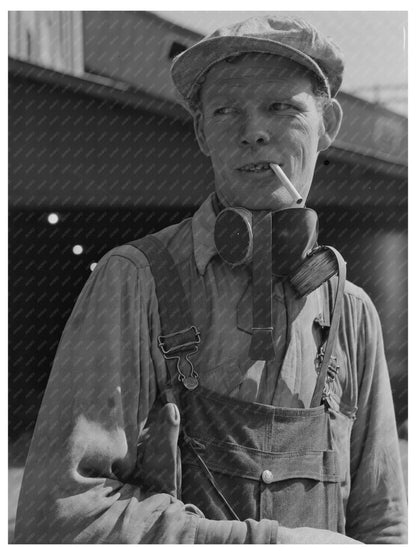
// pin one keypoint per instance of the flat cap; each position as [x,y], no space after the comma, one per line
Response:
[289,37]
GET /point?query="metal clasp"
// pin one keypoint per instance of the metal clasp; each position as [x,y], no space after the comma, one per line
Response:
[181,352]
[162,340]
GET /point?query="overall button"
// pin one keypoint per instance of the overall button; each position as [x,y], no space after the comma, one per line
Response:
[267,477]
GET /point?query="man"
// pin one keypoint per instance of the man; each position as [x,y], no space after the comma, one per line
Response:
[260,462]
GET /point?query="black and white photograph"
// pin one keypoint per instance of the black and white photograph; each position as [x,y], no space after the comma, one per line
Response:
[208,261]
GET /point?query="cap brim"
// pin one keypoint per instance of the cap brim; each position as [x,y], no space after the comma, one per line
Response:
[194,62]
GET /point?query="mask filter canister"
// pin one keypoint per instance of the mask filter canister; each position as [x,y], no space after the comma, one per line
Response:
[233,235]
[295,251]
[282,244]
[294,233]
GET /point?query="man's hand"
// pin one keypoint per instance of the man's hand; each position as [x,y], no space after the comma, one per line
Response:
[311,535]
[159,456]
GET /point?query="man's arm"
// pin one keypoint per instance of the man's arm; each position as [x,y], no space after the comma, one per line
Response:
[80,482]
[376,511]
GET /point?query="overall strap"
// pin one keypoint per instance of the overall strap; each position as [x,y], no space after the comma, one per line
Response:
[179,337]
[337,299]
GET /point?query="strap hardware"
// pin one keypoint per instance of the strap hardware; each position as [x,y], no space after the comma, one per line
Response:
[181,345]
[169,344]
[333,369]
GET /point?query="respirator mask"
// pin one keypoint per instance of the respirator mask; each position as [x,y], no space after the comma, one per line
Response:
[283,244]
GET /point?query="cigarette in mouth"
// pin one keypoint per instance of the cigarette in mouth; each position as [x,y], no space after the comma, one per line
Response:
[285,181]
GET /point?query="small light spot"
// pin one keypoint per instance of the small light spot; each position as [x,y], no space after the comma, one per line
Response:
[77,249]
[92,266]
[53,218]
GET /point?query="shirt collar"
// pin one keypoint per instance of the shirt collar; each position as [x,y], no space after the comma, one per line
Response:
[203,223]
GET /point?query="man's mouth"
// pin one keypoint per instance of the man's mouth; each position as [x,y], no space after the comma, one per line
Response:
[256,168]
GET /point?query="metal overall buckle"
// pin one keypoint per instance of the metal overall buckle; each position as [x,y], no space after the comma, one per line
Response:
[181,351]
[332,371]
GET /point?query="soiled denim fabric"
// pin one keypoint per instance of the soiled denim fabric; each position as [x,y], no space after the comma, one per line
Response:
[269,462]
[81,480]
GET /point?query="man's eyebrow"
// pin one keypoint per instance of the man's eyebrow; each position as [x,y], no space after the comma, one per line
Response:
[288,98]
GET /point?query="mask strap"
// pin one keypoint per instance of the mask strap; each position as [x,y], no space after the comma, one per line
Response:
[333,331]
[262,345]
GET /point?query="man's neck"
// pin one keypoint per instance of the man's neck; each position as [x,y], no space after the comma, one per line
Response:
[217,205]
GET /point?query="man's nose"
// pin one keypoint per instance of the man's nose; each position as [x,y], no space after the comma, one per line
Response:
[255,132]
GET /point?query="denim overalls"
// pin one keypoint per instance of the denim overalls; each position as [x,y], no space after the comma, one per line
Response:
[245,460]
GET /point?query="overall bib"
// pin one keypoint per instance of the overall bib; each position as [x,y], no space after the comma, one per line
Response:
[239,459]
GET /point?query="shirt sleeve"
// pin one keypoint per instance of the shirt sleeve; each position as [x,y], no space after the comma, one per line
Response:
[376,511]
[80,483]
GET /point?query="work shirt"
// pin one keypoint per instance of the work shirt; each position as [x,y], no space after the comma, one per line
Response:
[80,479]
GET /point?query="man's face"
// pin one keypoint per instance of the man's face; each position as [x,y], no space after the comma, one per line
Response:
[256,110]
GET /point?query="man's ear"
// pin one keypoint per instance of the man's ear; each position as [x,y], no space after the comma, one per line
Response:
[199,132]
[332,118]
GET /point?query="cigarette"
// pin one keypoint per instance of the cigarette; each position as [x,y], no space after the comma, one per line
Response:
[285,181]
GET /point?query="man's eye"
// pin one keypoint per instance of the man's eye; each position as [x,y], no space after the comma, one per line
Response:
[281,107]
[223,111]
